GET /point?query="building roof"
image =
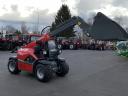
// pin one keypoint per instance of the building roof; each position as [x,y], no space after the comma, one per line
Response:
[104,28]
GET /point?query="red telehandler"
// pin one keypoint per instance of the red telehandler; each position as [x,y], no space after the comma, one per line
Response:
[40,57]
[42,63]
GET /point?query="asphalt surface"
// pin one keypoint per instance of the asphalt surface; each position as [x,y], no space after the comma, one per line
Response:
[92,73]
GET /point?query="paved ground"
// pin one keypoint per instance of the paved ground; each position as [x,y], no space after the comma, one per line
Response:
[92,73]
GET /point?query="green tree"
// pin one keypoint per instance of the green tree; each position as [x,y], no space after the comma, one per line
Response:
[17,32]
[63,14]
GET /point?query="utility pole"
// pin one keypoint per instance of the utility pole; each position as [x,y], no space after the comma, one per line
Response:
[63,1]
[37,20]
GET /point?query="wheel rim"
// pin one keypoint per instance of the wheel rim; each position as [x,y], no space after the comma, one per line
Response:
[12,66]
[40,73]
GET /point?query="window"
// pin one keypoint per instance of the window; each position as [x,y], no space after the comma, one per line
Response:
[51,44]
[34,38]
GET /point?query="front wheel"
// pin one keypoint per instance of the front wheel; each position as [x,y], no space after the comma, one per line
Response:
[13,67]
[63,69]
[43,73]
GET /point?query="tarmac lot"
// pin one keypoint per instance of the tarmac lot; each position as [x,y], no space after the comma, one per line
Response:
[92,73]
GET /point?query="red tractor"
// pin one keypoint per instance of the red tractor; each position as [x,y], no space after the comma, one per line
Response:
[10,42]
[7,42]
[42,62]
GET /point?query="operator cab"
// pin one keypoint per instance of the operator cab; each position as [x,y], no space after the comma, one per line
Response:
[52,49]
[52,45]
[47,49]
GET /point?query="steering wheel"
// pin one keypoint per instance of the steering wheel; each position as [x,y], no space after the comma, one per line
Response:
[45,30]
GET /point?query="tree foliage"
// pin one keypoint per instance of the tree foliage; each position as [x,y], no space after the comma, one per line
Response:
[63,14]
[17,32]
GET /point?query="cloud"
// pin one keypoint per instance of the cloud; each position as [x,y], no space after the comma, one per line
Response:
[14,8]
[15,15]
[44,17]
[114,12]
[88,5]
[15,18]
[25,10]
[121,3]
[86,8]
[122,20]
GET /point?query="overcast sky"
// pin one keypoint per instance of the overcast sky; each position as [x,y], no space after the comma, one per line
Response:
[27,10]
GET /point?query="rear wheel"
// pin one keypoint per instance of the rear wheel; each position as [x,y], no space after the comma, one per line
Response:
[13,67]
[63,69]
[43,73]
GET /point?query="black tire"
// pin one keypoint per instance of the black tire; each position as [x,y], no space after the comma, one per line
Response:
[13,67]
[43,73]
[63,69]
